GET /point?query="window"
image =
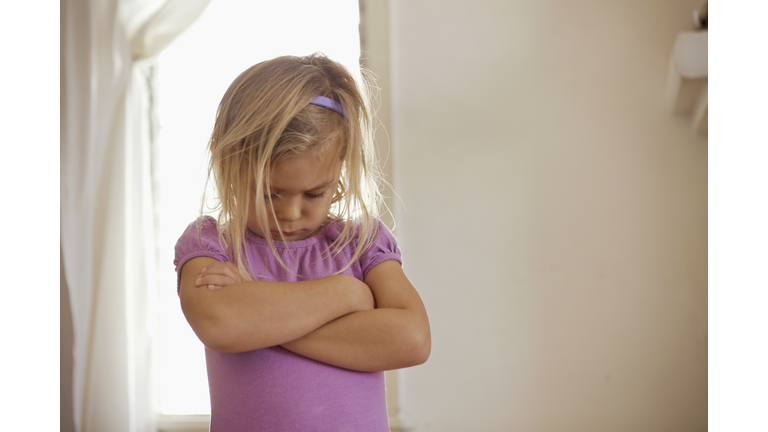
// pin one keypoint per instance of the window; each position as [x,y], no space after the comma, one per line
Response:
[193,74]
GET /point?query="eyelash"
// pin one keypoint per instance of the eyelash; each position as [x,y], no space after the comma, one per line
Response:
[316,196]
[309,195]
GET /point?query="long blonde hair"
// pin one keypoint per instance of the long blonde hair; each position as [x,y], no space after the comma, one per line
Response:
[264,118]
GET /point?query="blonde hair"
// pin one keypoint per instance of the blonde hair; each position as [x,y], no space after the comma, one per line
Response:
[264,118]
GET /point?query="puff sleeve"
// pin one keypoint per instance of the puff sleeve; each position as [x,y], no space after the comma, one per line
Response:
[384,248]
[191,245]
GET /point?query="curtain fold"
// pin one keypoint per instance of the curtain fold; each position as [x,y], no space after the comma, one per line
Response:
[107,233]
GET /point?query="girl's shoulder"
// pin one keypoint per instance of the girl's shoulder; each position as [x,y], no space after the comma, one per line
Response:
[205,226]
[334,229]
[382,238]
[202,233]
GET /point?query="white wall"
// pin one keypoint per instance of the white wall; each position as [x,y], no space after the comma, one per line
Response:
[555,216]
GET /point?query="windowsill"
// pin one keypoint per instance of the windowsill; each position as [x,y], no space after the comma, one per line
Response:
[183,423]
[201,423]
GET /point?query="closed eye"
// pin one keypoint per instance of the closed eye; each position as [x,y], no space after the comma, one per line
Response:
[316,196]
[278,195]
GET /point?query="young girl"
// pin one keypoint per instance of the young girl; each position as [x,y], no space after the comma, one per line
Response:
[297,290]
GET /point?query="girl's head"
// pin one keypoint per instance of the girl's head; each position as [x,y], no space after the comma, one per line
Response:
[283,164]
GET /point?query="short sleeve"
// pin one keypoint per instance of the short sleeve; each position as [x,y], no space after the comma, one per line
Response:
[194,244]
[384,248]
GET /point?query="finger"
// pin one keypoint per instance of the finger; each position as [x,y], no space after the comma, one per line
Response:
[204,278]
[225,269]
[219,268]
[214,270]
[235,273]
[218,280]
[229,270]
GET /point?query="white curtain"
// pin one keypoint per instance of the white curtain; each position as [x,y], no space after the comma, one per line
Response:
[107,230]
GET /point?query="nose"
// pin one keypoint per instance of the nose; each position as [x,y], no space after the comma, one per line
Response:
[289,209]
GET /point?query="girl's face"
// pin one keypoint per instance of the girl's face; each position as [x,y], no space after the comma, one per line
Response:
[302,190]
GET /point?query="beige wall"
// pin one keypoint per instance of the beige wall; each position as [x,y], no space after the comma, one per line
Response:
[556,220]
[555,217]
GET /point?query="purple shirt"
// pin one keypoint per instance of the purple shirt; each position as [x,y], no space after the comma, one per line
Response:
[273,389]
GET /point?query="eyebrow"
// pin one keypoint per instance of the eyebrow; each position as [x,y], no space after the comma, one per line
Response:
[321,186]
[316,188]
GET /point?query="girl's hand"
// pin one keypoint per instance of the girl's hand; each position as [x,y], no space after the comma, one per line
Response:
[218,275]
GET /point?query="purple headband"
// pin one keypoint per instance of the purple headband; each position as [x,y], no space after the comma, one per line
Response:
[319,101]
[330,104]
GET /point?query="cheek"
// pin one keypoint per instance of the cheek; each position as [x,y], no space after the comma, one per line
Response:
[323,208]
[254,216]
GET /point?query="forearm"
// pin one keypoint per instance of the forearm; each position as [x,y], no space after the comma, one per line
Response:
[374,340]
[251,315]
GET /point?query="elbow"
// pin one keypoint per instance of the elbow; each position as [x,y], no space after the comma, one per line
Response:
[225,338]
[210,335]
[420,347]
[215,340]
[210,330]
[424,348]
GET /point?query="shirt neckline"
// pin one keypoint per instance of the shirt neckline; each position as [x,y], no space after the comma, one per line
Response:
[315,239]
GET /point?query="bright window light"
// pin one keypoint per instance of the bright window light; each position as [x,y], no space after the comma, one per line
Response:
[193,74]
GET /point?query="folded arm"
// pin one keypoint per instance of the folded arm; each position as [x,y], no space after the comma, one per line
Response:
[394,335]
[251,315]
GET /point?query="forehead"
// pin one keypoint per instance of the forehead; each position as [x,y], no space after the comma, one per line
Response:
[305,172]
